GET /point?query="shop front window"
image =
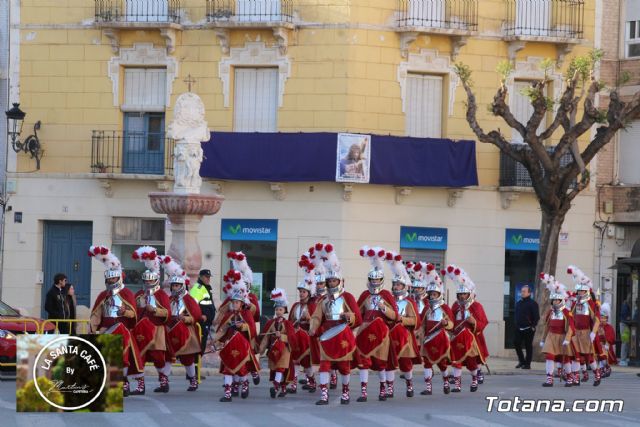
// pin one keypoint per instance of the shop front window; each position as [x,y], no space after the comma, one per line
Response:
[128,235]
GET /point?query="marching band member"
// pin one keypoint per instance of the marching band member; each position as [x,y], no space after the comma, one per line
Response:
[114,312]
[314,255]
[403,333]
[607,336]
[469,321]
[333,320]
[587,322]
[300,317]
[379,311]
[236,335]
[154,311]
[183,335]
[277,341]
[437,322]
[239,261]
[558,331]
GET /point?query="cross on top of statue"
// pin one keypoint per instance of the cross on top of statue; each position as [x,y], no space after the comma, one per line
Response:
[189,81]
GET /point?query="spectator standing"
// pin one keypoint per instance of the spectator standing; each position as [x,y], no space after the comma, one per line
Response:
[527,317]
[56,302]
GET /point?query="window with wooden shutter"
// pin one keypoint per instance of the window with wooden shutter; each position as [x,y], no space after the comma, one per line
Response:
[256,100]
[145,89]
[629,149]
[424,106]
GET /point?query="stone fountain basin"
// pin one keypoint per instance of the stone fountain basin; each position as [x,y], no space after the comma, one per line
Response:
[185,204]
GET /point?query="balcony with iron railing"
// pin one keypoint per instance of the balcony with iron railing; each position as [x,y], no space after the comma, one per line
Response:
[114,16]
[146,12]
[457,18]
[249,12]
[560,22]
[561,19]
[275,15]
[141,153]
[513,174]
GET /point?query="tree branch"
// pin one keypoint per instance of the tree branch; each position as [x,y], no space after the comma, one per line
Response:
[589,117]
[561,117]
[500,108]
[493,137]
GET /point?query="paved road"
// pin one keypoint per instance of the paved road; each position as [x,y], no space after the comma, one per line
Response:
[179,408]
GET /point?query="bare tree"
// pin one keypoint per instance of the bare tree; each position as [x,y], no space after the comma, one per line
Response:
[555,185]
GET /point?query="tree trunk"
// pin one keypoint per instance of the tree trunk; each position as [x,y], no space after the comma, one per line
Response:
[546,262]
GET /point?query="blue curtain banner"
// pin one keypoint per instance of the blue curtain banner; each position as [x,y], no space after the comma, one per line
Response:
[312,157]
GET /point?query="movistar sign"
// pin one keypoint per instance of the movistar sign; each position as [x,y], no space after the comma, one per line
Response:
[423,238]
[265,230]
[522,239]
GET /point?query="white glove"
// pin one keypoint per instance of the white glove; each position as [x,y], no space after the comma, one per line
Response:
[541,344]
[565,343]
[592,336]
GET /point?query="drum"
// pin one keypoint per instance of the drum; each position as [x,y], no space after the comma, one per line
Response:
[462,345]
[275,352]
[302,347]
[400,337]
[144,333]
[178,336]
[120,329]
[372,336]
[338,342]
[236,352]
[436,345]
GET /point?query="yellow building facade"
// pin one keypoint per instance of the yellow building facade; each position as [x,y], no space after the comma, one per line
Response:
[96,72]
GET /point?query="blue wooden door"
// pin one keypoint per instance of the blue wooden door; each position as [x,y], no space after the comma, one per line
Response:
[65,251]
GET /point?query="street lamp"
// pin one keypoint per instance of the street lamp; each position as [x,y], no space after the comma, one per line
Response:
[31,145]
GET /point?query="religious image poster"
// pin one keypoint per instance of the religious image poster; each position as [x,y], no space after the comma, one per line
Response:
[353,158]
[67,373]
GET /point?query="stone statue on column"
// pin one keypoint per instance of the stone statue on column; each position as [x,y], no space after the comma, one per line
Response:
[185,206]
[188,129]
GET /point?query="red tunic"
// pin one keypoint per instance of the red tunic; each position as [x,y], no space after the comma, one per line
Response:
[162,299]
[224,333]
[608,335]
[477,312]
[193,310]
[437,348]
[130,352]
[302,346]
[323,324]
[385,349]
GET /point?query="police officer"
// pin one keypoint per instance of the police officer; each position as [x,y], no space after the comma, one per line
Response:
[203,295]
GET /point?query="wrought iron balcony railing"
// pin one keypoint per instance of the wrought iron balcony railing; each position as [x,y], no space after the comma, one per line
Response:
[514,174]
[545,18]
[439,14]
[131,152]
[249,11]
[144,11]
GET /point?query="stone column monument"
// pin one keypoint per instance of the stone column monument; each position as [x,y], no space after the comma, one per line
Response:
[185,206]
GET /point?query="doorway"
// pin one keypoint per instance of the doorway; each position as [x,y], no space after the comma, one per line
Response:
[519,270]
[65,251]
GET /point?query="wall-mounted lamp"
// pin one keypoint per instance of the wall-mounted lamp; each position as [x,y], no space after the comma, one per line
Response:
[31,144]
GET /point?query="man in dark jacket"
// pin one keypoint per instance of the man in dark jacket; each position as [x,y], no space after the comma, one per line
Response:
[56,302]
[527,317]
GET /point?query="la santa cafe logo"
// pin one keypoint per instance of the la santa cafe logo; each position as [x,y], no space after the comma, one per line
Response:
[82,350]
